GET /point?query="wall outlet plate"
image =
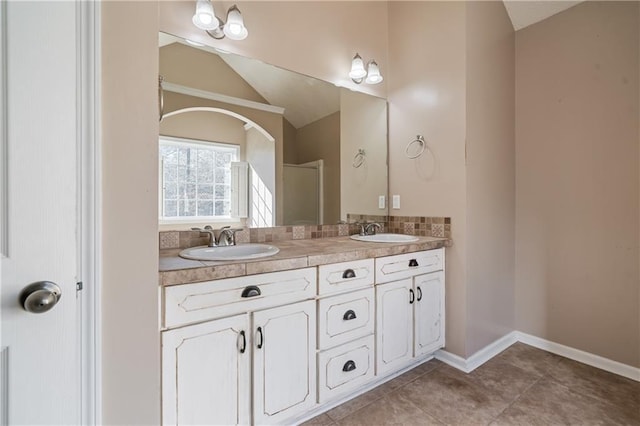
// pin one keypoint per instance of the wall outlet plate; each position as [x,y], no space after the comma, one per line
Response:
[396,202]
[381,202]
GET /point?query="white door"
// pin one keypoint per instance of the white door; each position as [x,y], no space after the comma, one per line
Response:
[206,373]
[284,367]
[394,324]
[41,352]
[429,313]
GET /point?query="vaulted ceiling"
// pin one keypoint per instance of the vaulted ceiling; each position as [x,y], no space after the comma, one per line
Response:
[524,13]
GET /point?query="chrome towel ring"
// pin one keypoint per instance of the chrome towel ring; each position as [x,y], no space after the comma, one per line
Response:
[418,140]
[358,159]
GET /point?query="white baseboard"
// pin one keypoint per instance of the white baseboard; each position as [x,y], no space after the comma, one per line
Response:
[493,349]
[480,357]
[597,361]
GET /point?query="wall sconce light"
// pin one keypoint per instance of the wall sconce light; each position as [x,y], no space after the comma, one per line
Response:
[358,73]
[206,19]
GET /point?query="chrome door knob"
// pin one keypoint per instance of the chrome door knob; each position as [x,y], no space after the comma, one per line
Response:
[40,296]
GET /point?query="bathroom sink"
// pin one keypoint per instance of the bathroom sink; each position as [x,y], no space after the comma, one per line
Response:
[238,252]
[385,238]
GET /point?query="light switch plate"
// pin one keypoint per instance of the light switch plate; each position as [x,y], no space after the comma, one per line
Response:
[381,202]
[396,201]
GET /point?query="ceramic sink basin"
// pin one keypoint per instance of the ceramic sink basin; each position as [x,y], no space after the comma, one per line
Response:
[385,238]
[237,252]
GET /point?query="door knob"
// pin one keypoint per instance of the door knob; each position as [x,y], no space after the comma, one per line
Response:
[40,296]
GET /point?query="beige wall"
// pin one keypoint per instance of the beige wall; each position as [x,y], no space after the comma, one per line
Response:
[363,125]
[490,125]
[577,159]
[129,300]
[426,82]
[320,140]
[289,154]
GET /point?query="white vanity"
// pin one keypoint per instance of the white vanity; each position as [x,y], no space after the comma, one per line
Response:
[275,347]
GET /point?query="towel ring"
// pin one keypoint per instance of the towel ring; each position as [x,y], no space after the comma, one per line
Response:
[358,159]
[419,139]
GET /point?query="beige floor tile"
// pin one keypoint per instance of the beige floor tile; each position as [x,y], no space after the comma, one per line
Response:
[529,358]
[550,403]
[321,420]
[451,399]
[355,404]
[504,378]
[392,409]
[590,381]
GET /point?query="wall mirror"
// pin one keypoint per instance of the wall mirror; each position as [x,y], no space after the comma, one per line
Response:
[304,151]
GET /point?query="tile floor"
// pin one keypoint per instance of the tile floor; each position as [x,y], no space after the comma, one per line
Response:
[521,386]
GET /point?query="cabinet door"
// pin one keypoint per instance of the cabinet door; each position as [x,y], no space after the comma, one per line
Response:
[284,362]
[206,373]
[429,313]
[394,320]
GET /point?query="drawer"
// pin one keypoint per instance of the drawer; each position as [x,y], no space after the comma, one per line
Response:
[345,368]
[189,303]
[345,317]
[345,276]
[401,266]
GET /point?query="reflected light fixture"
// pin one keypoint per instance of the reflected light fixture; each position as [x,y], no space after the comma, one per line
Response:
[205,19]
[358,73]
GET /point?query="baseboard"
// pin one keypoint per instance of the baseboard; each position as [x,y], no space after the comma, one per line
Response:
[597,361]
[478,358]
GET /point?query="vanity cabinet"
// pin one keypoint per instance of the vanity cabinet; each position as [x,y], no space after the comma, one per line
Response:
[255,367]
[409,309]
[270,348]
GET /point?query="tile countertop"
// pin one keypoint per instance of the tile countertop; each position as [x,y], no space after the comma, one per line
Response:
[294,254]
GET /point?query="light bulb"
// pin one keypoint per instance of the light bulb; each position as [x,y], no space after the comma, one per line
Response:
[204,18]
[373,73]
[357,69]
[234,28]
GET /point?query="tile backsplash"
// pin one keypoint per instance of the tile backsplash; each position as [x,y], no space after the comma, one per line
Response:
[412,225]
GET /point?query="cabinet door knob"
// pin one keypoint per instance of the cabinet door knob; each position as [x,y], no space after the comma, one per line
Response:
[251,291]
[412,296]
[413,263]
[349,273]
[349,315]
[260,342]
[419,294]
[349,366]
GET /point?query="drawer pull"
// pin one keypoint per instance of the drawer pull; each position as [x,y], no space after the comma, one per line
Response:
[413,263]
[412,296]
[349,366]
[261,341]
[244,342]
[419,294]
[349,273]
[251,291]
[349,315]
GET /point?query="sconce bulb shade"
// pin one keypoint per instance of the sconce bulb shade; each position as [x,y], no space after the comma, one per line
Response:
[204,18]
[234,28]
[357,72]
[373,73]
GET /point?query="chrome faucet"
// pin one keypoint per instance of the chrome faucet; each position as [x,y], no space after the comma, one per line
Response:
[371,228]
[226,236]
[210,232]
[368,228]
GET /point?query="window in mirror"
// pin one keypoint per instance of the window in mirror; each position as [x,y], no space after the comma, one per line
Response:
[195,180]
